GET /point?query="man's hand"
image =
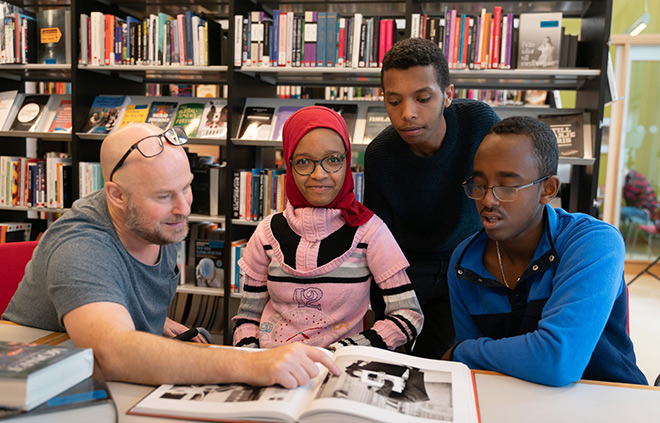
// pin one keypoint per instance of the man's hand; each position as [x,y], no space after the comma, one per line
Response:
[290,365]
[172,329]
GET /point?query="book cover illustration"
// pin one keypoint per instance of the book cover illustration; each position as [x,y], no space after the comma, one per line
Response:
[283,113]
[377,120]
[7,99]
[103,114]
[213,123]
[52,36]
[135,113]
[539,40]
[188,117]
[62,120]
[209,269]
[161,113]
[569,130]
[347,111]
[257,123]
[29,113]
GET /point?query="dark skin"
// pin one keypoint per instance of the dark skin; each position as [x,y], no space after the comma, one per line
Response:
[508,160]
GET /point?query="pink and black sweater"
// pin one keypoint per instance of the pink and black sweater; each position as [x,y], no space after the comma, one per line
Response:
[307,279]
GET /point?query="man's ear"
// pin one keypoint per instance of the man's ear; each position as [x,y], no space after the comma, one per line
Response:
[449,95]
[115,195]
[550,189]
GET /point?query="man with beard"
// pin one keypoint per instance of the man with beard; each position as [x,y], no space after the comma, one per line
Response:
[106,272]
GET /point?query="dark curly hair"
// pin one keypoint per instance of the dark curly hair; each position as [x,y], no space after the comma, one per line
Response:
[544,142]
[417,52]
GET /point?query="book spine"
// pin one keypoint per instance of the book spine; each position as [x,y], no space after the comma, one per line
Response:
[497,35]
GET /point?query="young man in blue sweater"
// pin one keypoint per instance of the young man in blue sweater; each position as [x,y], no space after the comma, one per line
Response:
[539,293]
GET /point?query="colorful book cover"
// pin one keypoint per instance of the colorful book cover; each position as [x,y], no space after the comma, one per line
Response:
[347,111]
[161,113]
[377,120]
[29,113]
[135,113]
[539,38]
[62,120]
[283,113]
[103,114]
[213,122]
[257,122]
[188,117]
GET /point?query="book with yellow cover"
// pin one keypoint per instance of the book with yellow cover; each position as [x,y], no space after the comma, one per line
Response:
[135,113]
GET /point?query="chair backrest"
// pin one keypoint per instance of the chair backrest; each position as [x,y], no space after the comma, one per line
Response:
[13,258]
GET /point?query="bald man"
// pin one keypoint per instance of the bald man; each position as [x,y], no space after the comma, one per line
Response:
[105,272]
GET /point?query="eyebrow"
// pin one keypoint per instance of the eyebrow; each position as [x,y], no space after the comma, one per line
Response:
[337,152]
[421,90]
[505,174]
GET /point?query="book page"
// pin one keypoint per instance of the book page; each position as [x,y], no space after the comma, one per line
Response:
[384,386]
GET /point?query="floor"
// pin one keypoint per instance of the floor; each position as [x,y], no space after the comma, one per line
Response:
[645,323]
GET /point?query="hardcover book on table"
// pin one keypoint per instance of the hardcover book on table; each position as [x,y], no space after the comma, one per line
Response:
[539,40]
[106,110]
[375,385]
[31,374]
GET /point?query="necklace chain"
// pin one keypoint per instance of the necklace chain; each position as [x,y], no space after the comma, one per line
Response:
[499,260]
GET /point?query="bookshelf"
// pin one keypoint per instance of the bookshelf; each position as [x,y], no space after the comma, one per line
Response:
[587,80]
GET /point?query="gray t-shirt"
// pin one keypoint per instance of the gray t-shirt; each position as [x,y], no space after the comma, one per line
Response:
[80,260]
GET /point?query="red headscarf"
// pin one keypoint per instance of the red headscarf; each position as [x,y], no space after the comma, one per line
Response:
[296,127]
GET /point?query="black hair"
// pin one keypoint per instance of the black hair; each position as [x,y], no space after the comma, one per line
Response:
[544,142]
[411,52]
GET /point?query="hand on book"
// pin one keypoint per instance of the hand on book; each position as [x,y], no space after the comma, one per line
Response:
[290,366]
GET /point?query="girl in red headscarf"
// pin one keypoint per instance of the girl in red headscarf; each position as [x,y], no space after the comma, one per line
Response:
[308,269]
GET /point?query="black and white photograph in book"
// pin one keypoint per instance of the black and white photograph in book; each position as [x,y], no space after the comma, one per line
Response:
[394,387]
[539,40]
[257,123]
[227,393]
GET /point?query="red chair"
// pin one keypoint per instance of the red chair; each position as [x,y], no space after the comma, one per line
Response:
[13,258]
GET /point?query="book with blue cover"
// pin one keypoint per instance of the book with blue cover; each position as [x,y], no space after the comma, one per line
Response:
[105,112]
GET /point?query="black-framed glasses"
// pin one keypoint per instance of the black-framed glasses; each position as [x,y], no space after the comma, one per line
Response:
[331,164]
[502,193]
[152,145]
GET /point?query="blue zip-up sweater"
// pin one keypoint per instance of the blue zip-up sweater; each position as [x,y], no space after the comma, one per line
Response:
[565,320]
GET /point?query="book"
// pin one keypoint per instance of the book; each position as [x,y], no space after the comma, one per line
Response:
[347,111]
[53,36]
[539,40]
[377,119]
[62,120]
[89,400]
[209,263]
[106,110]
[283,113]
[31,374]
[213,123]
[257,122]
[135,113]
[569,130]
[7,99]
[29,113]
[161,113]
[375,385]
[188,117]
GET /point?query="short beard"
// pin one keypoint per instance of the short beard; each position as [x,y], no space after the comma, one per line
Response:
[140,227]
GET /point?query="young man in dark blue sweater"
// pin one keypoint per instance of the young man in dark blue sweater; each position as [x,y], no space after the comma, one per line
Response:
[413,171]
[539,293]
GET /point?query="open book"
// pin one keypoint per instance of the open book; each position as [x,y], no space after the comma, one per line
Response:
[375,386]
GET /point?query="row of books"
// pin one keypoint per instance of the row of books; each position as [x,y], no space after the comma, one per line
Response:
[257,193]
[15,231]
[36,182]
[199,118]
[498,40]
[35,112]
[158,39]
[90,178]
[26,37]
[263,119]
[311,39]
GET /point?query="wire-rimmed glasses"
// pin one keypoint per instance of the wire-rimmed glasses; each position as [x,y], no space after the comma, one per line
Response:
[501,192]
